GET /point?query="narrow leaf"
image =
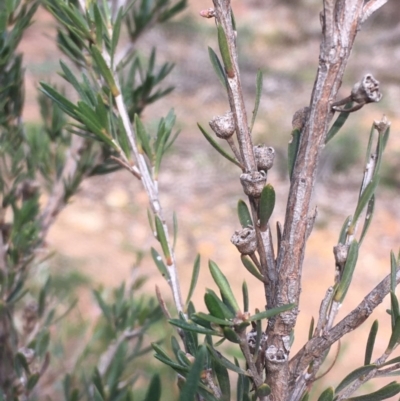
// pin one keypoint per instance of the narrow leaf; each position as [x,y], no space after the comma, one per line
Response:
[343,231]
[160,264]
[193,281]
[104,70]
[348,271]
[245,292]
[339,122]
[371,342]
[267,205]
[188,392]
[219,70]
[143,138]
[395,307]
[231,335]
[368,218]
[394,338]
[393,271]
[217,147]
[162,238]
[251,268]
[326,395]
[388,391]
[354,375]
[311,329]
[259,85]
[223,285]
[244,214]
[218,357]
[192,327]
[271,312]
[216,307]
[213,319]
[154,390]
[225,54]
[223,381]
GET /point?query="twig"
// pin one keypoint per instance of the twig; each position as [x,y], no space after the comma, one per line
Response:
[371,7]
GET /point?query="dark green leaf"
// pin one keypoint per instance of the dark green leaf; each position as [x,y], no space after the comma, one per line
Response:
[343,231]
[162,238]
[244,214]
[231,335]
[193,281]
[267,205]
[192,327]
[213,319]
[354,375]
[225,53]
[393,271]
[115,33]
[251,268]
[368,218]
[154,390]
[216,307]
[263,391]
[395,307]
[394,338]
[223,381]
[188,392]
[143,138]
[217,67]
[271,312]
[160,264]
[293,148]
[371,342]
[104,70]
[326,395]
[217,147]
[388,391]
[225,362]
[348,271]
[245,292]
[339,122]
[223,285]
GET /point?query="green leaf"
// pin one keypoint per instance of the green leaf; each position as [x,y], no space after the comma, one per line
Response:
[64,104]
[154,390]
[394,338]
[231,335]
[251,268]
[395,307]
[162,238]
[267,205]
[326,395]
[371,342]
[218,357]
[225,54]
[192,327]
[245,292]
[293,148]
[271,312]
[311,329]
[343,231]
[223,285]
[115,33]
[188,392]
[32,381]
[219,70]
[339,122]
[216,307]
[99,25]
[348,271]
[244,214]
[363,201]
[388,391]
[223,381]
[259,85]
[143,138]
[213,319]
[217,147]
[354,375]
[160,264]
[104,70]
[193,281]
[368,218]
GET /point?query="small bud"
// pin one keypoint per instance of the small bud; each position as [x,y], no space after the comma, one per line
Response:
[209,13]
[223,126]
[366,91]
[245,240]
[253,183]
[264,156]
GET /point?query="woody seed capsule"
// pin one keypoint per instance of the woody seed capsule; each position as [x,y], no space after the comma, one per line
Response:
[366,91]
[253,183]
[223,126]
[245,240]
[264,156]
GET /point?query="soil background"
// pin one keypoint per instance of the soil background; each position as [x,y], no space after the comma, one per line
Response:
[106,223]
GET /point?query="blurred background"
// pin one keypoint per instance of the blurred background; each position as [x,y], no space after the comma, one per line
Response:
[97,237]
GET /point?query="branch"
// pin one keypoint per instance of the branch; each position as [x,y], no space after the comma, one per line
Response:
[317,345]
[371,7]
